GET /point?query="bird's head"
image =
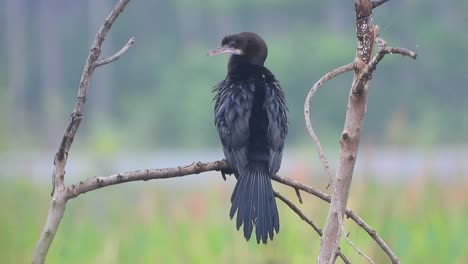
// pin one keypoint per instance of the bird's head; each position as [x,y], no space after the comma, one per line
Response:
[244,47]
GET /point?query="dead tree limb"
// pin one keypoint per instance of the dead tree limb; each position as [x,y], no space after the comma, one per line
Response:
[330,75]
[309,221]
[59,197]
[94,183]
[349,141]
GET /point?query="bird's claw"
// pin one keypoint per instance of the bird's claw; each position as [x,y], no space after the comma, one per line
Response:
[226,171]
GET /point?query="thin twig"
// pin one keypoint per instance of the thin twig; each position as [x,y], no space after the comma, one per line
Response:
[354,246]
[117,55]
[330,75]
[349,213]
[377,3]
[299,213]
[298,194]
[367,72]
[317,229]
[93,56]
[77,114]
[343,231]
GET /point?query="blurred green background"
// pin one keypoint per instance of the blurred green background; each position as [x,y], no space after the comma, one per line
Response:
[153,108]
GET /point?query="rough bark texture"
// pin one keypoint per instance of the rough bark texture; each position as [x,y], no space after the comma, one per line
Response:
[364,66]
[349,141]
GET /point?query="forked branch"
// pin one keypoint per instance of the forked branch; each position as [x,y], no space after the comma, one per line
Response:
[59,198]
[364,66]
[330,75]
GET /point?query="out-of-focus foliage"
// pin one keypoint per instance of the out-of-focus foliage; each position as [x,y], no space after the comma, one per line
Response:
[159,93]
[158,97]
[422,221]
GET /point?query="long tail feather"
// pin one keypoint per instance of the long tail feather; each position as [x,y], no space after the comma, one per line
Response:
[253,200]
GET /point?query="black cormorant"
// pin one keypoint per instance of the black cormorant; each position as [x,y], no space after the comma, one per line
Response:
[251,118]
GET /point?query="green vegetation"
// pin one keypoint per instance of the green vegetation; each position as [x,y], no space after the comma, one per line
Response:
[157,97]
[422,221]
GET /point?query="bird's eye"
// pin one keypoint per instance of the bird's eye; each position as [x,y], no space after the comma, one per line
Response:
[232,43]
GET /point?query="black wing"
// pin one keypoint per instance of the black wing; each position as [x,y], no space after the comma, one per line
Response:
[276,109]
[233,104]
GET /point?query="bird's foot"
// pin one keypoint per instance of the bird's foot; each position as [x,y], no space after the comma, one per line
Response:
[228,171]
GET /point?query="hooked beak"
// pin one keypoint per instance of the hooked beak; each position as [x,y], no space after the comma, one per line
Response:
[225,50]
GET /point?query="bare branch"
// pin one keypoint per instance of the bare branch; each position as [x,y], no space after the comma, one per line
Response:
[59,200]
[377,3]
[293,207]
[372,233]
[354,246]
[116,56]
[77,114]
[356,110]
[349,213]
[142,175]
[401,51]
[299,213]
[340,220]
[313,90]
[367,72]
[95,183]
[93,56]
[298,194]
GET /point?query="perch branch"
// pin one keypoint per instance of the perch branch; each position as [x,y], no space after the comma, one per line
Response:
[59,200]
[95,183]
[142,175]
[298,194]
[117,55]
[310,129]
